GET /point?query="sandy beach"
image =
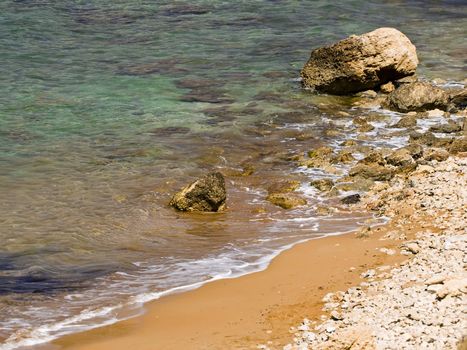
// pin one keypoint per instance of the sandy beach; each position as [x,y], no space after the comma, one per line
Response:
[244,312]
[265,309]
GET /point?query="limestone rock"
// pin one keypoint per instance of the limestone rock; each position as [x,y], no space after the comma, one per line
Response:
[419,96]
[374,157]
[400,158]
[406,122]
[372,171]
[437,154]
[459,98]
[415,150]
[205,194]
[387,88]
[360,62]
[284,186]
[446,128]
[458,145]
[343,156]
[322,184]
[452,287]
[286,200]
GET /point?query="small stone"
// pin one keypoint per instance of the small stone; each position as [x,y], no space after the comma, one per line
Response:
[387,88]
[434,113]
[406,122]
[452,287]
[446,128]
[336,316]
[322,184]
[435,280]
[286,200]
[437,154]
[411,247]
[352,199]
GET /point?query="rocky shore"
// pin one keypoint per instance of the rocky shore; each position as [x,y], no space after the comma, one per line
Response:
[420,304]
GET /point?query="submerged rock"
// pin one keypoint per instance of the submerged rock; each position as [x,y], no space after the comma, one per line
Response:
[352,199]
[284,186]
[286,200]
[205,194]
[409,121]
[360,62]
[418,96]
[446,128]
[322,184]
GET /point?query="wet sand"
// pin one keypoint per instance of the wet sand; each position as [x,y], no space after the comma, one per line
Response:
[254,309]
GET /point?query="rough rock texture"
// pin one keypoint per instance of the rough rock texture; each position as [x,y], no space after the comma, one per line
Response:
[372,171]
[418,96]
[286,200]
[205,194]
[360,62]
[422,303]
[459,98]
[322,184]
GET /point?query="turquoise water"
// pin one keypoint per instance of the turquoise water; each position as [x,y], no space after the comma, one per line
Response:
[108,107]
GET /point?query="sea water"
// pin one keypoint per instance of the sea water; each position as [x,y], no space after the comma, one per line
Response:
[109,107]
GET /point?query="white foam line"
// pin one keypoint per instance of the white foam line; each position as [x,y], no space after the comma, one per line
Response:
[44,334]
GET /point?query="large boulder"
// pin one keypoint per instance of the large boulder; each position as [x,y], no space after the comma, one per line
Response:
[205,194]
[418,96]
[360,62]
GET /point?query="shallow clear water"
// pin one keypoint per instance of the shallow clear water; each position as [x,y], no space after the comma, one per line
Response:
[108,107]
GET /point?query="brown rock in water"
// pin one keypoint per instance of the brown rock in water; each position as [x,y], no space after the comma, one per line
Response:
[355,183]
[374,157]
[458,145]
[360,62]
[344,156]
[205,194]
[446,128]
[418,96]
[286,200]
[352,199]
[406,122]
[322,184]
[284,186]
[372,171]
[429,139]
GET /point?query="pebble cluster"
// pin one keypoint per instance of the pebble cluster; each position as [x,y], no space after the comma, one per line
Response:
[422,304]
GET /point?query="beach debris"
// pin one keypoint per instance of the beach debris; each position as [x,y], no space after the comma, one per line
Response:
[206,194]
[360,62]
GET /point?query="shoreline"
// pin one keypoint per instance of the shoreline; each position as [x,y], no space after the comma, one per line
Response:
[248,310]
